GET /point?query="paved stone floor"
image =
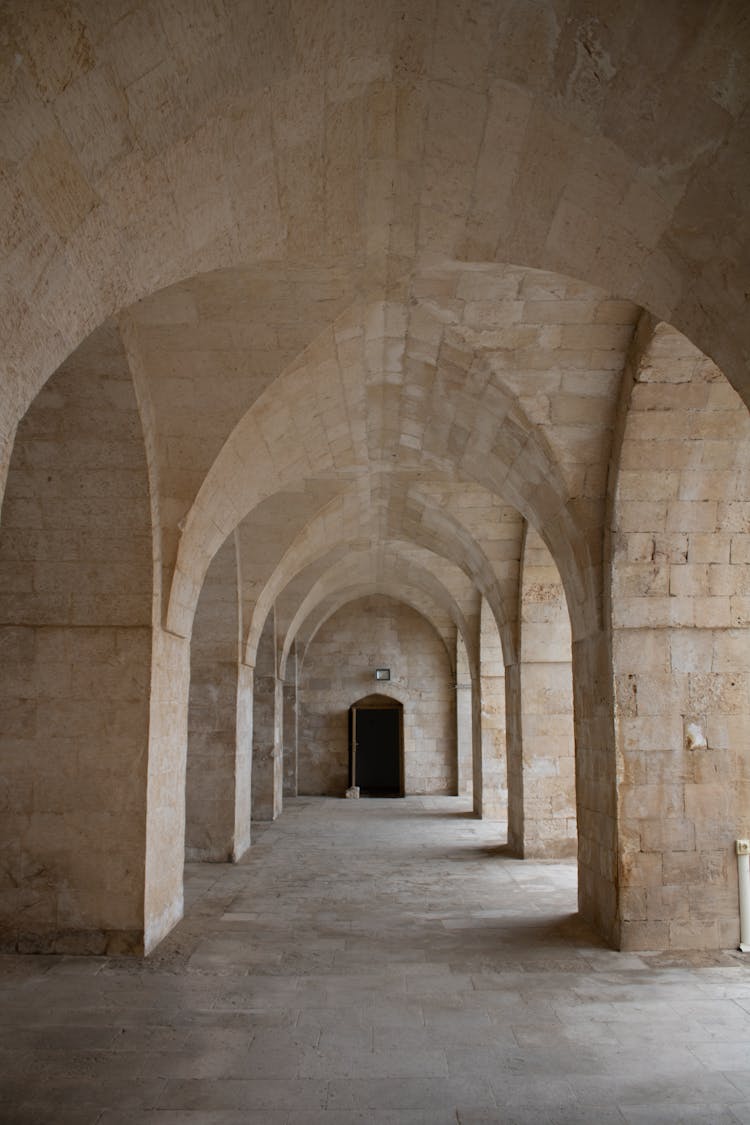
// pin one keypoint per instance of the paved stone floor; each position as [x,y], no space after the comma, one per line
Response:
[376,961]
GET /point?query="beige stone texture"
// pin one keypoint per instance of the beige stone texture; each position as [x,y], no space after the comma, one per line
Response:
[542,806]
[369,290]
[290,726]
[339,670]
[680,673]
[218,759]
[491,785]
[267,761]
[464,727]
[75,656]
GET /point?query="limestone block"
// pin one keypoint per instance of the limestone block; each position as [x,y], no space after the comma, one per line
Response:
[692,651]
[636,934]
[672,834]
[641,650]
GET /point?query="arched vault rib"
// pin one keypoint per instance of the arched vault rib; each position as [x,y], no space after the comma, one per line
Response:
[317,419]
[471,389]
[477,155]
[310,423]
[347,521]
[367,571]
[440,580]
[407,595]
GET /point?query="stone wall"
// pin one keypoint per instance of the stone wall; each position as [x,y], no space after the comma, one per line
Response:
[681,652]
[339,669]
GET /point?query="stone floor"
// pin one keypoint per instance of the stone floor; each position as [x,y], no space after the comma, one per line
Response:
[376,961]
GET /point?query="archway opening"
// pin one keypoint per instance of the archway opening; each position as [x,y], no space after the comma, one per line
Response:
[376,746]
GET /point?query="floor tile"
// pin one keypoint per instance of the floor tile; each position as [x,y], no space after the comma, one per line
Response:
[382,963]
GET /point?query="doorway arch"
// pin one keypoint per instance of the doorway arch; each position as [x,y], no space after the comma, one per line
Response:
[376,746]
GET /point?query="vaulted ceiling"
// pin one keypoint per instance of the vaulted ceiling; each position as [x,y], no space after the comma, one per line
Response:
[377,270]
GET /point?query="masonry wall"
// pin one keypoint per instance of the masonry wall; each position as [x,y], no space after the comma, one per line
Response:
[75,663]
[681,651]
[339,669]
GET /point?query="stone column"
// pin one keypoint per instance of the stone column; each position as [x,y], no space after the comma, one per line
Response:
[212,767]
[243,761]
[514,743]
[463,720]
[267,710]
[680,576]
[548,828]
[493,804]
[596,784]
[289,725]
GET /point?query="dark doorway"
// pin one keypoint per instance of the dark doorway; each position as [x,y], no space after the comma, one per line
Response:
[375,748]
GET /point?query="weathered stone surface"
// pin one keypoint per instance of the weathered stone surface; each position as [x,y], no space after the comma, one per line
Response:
[369,292]
[680,673]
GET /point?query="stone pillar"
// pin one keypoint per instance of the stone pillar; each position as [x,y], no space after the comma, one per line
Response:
[165,810]
[680,576]
[514,743]
[212,766]
[289,725]
[476,747]
[493,803]
[463,719]
[596,784]
[244,761]
[548,827]
[267,776]
[76,637]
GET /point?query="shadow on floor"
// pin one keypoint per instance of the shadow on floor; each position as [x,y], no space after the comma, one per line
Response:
[564,931]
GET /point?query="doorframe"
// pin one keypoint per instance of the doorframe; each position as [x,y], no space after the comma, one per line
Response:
[376,702]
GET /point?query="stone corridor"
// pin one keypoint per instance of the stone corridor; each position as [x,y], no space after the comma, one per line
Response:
[384,962]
